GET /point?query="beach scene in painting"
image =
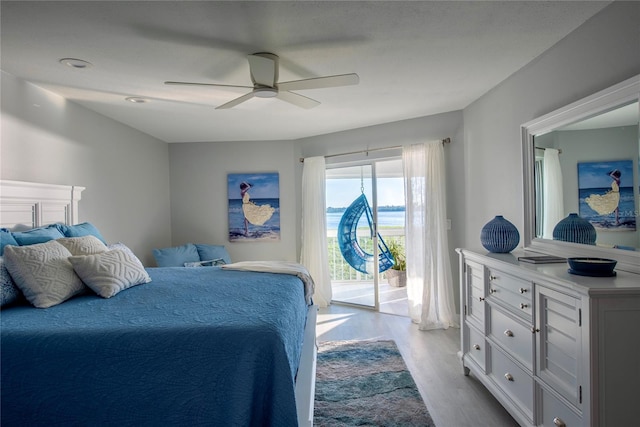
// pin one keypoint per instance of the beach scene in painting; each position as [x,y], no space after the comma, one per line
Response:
[254,207]
[607,195]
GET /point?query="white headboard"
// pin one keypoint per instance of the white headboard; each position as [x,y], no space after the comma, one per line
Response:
[25,205]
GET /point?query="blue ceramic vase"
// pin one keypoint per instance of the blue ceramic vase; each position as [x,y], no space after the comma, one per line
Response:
[499,235]
[575,229]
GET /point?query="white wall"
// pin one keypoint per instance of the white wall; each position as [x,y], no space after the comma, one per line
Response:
[45,138]
[602,52]
[199,206]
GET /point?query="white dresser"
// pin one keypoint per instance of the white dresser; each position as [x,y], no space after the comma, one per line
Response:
[554,348]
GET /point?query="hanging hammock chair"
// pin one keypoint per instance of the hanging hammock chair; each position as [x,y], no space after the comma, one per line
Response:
[348,240]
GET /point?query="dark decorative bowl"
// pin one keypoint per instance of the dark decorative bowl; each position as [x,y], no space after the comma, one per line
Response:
[597,267]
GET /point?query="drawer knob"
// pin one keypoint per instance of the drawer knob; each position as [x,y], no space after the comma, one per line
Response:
[493,291]
[508,376]
[476,347]
[480,299]
[492,277]
[558,422]
[508,333]
[523,290]
[523,306]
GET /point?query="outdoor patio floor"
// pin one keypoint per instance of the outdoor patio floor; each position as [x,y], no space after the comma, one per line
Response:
[393,300]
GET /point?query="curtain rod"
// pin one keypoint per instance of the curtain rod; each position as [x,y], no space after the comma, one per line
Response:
[543,149]
[444,141]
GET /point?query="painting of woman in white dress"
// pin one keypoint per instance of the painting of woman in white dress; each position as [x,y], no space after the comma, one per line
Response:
[254,207]
[606,194]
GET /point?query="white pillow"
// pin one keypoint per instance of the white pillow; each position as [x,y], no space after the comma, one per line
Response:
[43,273]
[121,246]
[110,272]
[85,245]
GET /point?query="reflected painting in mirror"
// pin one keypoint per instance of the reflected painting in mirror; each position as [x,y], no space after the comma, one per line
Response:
[588,168]
[584,159]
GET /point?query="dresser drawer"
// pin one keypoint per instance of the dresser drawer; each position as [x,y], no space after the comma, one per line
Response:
[516,338]
[554,413]
[515,382]
[477,346]
[512,292]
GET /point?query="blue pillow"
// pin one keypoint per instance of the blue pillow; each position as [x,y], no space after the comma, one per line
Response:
[81,230]
[6,238]
[9,292]
[211,252]
[37,235]
[176,256]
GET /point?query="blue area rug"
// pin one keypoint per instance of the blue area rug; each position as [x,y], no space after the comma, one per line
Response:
[366,383]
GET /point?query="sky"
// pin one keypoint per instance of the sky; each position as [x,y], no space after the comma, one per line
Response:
[596,174]
[341,192]
[263,185]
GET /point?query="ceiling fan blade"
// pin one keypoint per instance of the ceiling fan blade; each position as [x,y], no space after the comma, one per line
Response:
[264,69]
[236,101]
[298,100]
[205,84]
[321,82]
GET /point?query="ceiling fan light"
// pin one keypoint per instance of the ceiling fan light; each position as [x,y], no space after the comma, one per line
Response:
[265,92]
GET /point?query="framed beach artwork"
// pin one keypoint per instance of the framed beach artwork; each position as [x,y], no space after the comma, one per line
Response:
[254,206]
[606,194]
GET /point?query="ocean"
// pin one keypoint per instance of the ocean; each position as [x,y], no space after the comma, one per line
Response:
[269,231]
[385,219]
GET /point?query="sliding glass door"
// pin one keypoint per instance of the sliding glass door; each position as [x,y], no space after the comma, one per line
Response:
[365,217]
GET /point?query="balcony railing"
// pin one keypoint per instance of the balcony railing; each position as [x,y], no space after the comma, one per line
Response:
[338,267]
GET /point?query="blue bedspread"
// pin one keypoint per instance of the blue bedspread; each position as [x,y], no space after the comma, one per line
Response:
[196,346]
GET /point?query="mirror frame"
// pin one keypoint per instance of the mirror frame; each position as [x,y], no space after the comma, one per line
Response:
[622,93]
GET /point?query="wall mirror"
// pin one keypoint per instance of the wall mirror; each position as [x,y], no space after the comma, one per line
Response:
[585,158]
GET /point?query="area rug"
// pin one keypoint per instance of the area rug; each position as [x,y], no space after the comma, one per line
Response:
[366,383]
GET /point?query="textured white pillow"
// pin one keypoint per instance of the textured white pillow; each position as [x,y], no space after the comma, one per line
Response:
[43,273]
[122,247]
[110,272]
[85,245]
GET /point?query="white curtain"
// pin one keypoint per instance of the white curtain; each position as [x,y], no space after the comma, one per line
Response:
[553,195]
[429,279]
[314,254]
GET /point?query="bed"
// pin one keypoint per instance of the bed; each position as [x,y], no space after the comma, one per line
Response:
[194,346]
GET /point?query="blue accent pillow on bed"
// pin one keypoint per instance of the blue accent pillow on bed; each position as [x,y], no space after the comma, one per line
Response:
[80,230]
[9,292]
[6,238]
[212,252]
[176,256]
[37,235]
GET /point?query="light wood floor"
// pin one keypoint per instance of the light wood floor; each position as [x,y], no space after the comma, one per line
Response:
[431,356]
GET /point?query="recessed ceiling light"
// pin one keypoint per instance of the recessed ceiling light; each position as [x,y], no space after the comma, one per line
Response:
[136,99]
[76,63]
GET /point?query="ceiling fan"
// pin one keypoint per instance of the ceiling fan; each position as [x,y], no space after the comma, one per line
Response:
[264,75]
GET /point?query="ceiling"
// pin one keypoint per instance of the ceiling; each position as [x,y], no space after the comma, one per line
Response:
[414,58]
[627,115]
